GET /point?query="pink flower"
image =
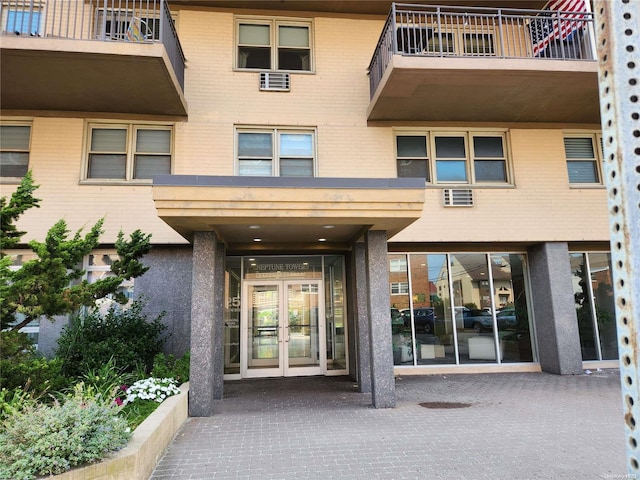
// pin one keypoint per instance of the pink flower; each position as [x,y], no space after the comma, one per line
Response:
[118,401]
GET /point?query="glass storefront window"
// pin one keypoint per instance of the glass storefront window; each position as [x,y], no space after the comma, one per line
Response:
[463,308]
[593,291]
[335,313]
[232,288]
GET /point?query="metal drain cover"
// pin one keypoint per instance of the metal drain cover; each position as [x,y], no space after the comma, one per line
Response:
[445,405]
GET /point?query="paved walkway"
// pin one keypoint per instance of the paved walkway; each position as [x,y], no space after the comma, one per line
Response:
[515,426]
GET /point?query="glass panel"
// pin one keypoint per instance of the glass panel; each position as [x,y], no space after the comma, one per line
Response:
[411,146]
[147,166]
[435,41]
[290,36]
[602,285]
[413,169]
[153,141]
[232,317]
[255,34]
[108,140]
[296,167]
[296,145]
[255,145]
[578,147]
[14,137]
[582,171]
[450,147]
[487,147]
[490,171]
[431,320]
[402,340]
[451,171]
[13,164]
[478,43]
[583,306]
[512,313]
[256,168]
[334,313]
[107,166]
[472,300]
[303,332]
[263,326]
[254,57]
[294,59]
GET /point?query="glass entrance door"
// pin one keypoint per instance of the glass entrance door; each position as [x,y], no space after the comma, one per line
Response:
[283,325]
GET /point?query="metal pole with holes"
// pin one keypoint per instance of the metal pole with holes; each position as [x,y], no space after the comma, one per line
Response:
[618,46]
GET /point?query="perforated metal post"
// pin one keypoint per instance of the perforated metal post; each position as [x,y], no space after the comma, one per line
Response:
[618,46]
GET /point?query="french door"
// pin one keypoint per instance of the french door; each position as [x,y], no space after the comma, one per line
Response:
[282,325]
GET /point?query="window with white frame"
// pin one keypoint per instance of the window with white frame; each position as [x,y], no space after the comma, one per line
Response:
[583,154]
[15,140]
[97,266]
[453,157]
[18,258]
[275,152]
[398,264]
[128,151]
[399,288]
[276,44]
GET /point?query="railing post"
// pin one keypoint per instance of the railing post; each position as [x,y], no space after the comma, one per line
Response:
[104,20]
[393,25]
[501,33]
[439,30]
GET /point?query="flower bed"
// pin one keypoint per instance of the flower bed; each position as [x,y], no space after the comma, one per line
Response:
[149,441]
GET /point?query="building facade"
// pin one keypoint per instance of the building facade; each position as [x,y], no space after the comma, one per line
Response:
[332,188]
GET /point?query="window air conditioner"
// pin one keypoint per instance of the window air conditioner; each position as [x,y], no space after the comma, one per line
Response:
[458,197]
[275,81]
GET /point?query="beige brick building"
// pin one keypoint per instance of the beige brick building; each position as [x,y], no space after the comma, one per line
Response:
[333,187]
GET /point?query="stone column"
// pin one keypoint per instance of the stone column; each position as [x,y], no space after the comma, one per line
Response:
[218,324]
[203,332]
[554,309]
[383,390]
[361,316]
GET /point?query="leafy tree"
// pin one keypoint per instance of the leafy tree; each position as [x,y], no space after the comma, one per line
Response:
[50,285]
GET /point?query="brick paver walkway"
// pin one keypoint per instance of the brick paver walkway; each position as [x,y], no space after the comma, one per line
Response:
[516,426]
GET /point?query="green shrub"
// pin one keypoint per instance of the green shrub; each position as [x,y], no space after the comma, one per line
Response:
[90,341]
[46,440]
[168,366]
[12,401]
[105,383]
[22,367]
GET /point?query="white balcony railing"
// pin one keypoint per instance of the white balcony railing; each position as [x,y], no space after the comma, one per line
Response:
[438,31]
[138,21]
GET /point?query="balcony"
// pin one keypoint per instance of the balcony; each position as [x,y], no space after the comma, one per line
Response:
[90,57]
[484,65]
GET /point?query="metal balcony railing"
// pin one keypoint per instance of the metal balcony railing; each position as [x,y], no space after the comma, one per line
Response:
[439,31]
[138,21]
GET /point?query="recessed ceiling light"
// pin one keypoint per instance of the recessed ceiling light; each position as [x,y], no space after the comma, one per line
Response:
[328,226]
[322,239]
[254,227]
[257,239]
[252,259]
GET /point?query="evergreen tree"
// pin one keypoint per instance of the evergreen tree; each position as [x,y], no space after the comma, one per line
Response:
[51,284]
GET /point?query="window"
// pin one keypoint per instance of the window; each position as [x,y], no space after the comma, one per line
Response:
[399,288]
[97,266]
[23,21]
[276,152]
[128,152]
[120,24]
[274,45]
[445,40]
[582,159]
[398,264]
[467,157]
[479,44]
[14,150]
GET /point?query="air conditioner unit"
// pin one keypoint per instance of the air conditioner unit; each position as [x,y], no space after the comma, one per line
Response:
[458,197]
[275,81]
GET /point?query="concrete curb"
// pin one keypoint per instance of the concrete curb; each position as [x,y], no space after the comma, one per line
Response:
[137,460]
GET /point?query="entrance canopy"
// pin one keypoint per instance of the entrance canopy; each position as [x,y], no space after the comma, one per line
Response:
[287,213]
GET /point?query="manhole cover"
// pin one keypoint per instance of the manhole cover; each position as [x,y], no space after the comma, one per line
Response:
[444,405]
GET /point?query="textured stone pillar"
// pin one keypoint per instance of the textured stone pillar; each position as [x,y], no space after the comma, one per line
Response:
[554,308]
[203,311]
[218,324]
[361,315]
[383,390]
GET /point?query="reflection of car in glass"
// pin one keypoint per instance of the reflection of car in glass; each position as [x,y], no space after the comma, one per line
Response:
[478,320]
[507,317]
[424,319]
